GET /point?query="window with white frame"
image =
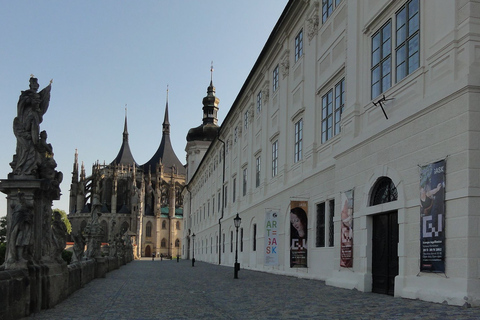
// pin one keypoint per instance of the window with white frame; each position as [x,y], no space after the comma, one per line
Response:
[219,202]
[234,190]
[226,196]
[245,179]
[325,226]
[235,135]
[333,103]
[245,120]
[327,9]
[407,48]
[274,158]
[406,56]
[299,45]
[275,79]
[259,101]
[298,140]
[258,161]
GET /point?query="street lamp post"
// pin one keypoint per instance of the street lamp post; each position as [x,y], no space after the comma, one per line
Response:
[193,254]
[237,220]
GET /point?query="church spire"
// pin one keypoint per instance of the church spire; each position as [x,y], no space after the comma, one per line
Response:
[166,123]
[125,130]
[210,103]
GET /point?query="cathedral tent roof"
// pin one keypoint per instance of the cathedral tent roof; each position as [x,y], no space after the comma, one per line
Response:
[124,156]
[165,153]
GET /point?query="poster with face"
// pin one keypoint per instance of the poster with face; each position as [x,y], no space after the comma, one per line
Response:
[432,217]
[346,232]
[298,234]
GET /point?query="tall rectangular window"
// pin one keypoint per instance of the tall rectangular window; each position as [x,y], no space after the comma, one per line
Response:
[254,237]
[257,171]
[245,178]
[259,101]
[382,60]
[219,202]
[225,197]
[327,8]
[234,190]
[331,229]
[327,116]
[407,39]
[325,215]
[216,246]
[320,237]
[339,104]
[213,205]
[231,241]
[223,244]
[275,79]
[274,158]
[332,109]
[245,120]
[299,45]
[298,140]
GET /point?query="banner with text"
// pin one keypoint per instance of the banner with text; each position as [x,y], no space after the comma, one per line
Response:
[432,217]
[271,237]
[298,234]
[346,232]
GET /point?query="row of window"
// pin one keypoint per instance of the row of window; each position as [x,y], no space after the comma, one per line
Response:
[148,228]
[324,231]
[407,59]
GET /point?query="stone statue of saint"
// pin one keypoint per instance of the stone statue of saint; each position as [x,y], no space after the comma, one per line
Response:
[31,107]
[59,236]
[78,247]
[21,238]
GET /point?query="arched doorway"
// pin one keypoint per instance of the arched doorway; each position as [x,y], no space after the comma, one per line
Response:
[385,238]
[148,251]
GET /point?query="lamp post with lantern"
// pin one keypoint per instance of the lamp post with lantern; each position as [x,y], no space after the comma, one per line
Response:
[237,220]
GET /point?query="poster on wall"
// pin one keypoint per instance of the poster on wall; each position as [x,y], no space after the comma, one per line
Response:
[298,234]
[271,237]
[346,232]
[432,217]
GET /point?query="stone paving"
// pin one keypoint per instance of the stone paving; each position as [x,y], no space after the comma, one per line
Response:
[170,290]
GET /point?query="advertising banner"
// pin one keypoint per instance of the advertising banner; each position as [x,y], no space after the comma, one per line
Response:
[271,237]
[432,217]
[346,231]
[298,234]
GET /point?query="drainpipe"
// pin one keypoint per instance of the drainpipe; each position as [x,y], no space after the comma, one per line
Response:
[223,205]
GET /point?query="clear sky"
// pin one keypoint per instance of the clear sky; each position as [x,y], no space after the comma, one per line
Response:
[103,55]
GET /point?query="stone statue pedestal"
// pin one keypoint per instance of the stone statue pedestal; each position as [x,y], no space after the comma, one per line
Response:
[25,225]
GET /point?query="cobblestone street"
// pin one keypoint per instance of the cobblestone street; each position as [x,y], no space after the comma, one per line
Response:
[170,290]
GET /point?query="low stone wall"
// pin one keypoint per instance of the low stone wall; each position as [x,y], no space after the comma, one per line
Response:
[27,291]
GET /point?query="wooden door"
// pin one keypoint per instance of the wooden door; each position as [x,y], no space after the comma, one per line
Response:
[385,252]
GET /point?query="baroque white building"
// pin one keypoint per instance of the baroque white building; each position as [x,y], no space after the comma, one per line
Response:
[367,114]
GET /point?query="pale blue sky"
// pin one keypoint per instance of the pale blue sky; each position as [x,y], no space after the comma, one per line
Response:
[104,54]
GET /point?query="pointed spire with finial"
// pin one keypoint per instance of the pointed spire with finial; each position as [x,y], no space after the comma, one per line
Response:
[166,123]
[125,130]
[210,103]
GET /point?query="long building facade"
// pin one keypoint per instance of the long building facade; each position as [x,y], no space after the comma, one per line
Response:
[351,152]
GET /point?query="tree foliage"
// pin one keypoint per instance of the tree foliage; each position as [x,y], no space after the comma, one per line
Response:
[64,219]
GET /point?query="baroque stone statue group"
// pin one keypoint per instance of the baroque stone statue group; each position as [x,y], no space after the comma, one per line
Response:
[35,235]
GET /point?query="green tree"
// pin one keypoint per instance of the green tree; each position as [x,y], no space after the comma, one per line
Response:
[64,219]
